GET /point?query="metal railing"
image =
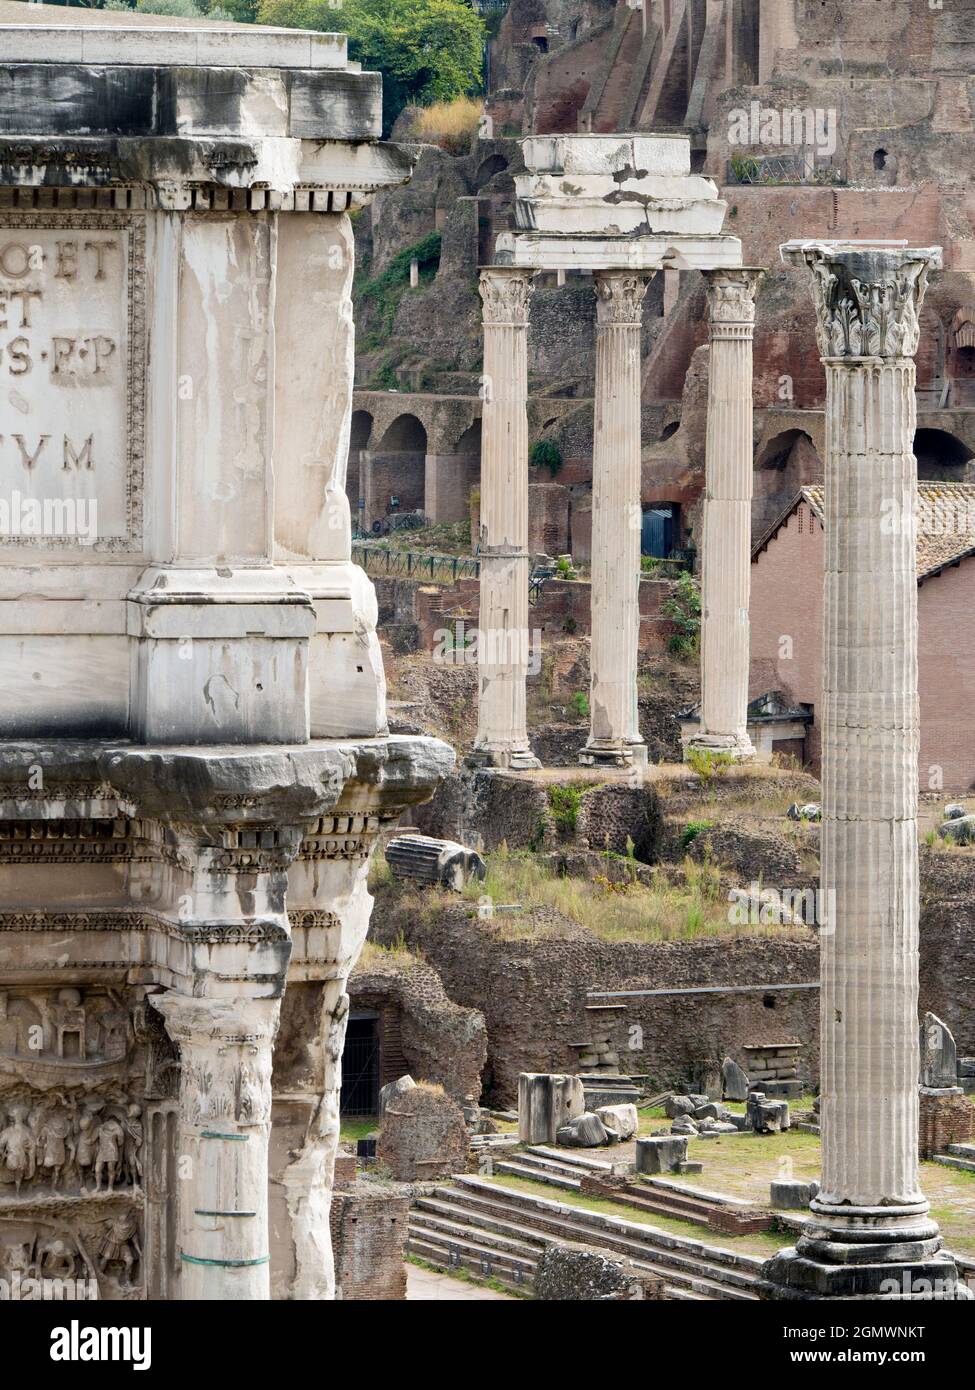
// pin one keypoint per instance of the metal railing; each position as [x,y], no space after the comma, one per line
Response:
[782,168]
[414,564]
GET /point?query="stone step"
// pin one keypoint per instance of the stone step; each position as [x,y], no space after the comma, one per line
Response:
[964,1165]
[451,1256]
[432,1220]
[473,1243]
[677,1258]
[534,1172]
[573,1160]
[678,1208]
[552,1165]
[961,1150]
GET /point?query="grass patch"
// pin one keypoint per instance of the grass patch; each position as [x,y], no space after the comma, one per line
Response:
[628,911]
[449,124]
[355,1127]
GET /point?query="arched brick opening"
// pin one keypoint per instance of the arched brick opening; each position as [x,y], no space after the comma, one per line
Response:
[941,457]
[451,476]
[359,435]
[787,462]
[392,472]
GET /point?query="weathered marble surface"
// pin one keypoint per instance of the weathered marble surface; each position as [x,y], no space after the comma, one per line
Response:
[196,766]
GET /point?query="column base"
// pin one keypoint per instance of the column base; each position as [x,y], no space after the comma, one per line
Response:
[514,759]
[866,1253]
[610,753]
[736,746]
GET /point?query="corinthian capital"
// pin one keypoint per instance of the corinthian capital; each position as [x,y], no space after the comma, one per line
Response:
[506,293]
[731,294]
[225,1056]
[619,296]
[867,298]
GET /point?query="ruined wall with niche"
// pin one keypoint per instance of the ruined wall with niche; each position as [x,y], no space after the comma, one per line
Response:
[533,994]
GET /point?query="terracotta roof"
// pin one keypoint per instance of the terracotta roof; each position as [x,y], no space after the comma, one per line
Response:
[946,523]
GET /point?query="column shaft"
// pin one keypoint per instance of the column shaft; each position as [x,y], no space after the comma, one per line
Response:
[868,1234]
[224,1128]
[503,636]
[727,528]
[870,748]
[614,732]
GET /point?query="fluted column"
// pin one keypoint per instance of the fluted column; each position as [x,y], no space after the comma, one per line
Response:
[869,1233]
[503,640]
[614,731]
[726,551]
[224,1130]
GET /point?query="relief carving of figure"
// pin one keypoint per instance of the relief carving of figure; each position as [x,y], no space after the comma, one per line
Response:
[134,1133]
[18,1151]
[120,1245]
[55,1145]
[56,1259]
[85,1146]
[108,1153]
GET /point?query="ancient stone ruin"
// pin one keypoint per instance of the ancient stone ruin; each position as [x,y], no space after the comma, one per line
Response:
[195,758]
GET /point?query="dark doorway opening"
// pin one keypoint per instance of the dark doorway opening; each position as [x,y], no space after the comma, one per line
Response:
[360,1066]
[660,535]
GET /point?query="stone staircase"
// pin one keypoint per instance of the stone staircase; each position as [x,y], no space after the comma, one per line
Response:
[660,1196]
[958,1156]
[557,1167]
[499,1233]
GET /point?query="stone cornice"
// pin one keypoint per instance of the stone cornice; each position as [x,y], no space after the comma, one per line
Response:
[867,298]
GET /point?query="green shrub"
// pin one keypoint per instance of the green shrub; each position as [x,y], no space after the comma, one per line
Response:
[545,453]
[579,704]
[384,291]
[682,607]
[565,803]
[692,830]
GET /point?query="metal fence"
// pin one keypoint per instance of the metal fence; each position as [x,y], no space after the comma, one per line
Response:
[785,168]
[413,564]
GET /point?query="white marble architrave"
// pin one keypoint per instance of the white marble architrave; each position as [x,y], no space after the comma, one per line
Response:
[726,550]
[869,1233]
[503,635]
[614,732]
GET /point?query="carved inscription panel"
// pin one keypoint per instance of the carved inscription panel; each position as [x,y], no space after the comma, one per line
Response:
[72,380]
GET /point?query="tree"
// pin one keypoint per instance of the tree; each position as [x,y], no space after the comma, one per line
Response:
[426,50]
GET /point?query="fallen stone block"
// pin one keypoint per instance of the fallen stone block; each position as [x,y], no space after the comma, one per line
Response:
[767,1116]
[960,831]
[734,1082]
[585,1131]
[663,1155]
[623,1119]
[676,1105]
[790,1195]
[546,1101]
[443,863]
[393,1090]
